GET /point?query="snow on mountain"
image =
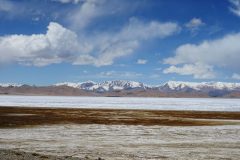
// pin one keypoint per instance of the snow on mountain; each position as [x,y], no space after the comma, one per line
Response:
[82,85]
[120,85]
[128,85]
[129,88]
[178,85]
[69,84]
[10,85]
[168,86]
[105,86]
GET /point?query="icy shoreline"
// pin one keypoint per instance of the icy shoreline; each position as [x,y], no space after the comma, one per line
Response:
[198,104]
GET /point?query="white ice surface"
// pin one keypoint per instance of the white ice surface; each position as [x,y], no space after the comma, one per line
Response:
[205,104]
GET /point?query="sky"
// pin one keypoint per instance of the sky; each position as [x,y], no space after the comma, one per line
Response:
[150,41]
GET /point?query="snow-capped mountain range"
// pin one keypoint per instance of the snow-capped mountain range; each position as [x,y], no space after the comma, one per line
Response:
[105,86]
[128,88]
[10,85]
[129,85]
[171,85]
[178,85]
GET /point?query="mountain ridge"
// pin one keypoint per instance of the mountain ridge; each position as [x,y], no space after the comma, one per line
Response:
[128,88]
[174,85]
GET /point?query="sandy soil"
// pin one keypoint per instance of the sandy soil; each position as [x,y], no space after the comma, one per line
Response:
[20,117]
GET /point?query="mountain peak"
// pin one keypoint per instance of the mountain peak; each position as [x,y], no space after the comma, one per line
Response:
[10,85]
[130,85]
[104,86]
[201,85]
[130,88]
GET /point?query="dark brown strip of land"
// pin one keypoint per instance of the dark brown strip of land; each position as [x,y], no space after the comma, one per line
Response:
[11,117]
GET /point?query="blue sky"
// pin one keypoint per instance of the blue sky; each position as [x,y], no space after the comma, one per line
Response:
[151,41]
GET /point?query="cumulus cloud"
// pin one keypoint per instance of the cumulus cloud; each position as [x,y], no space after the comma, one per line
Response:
[222,52]
[63,45]
[236,76]
[198,71]
[113,45]
[194,24]
[79,46]
[235,8]
[142,61]
[57,45]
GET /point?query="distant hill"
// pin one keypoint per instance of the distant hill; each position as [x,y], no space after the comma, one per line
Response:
[128,89]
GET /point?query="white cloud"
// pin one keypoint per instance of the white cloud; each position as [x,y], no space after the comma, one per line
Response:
[236,76]
[223,52]
[137,29]
[119,74]
[199,71]
[79,46]
[142,61]
[6,6]
[194,24]
[235,7]
[63,45]
[113,45]
[57,45]
[89,10]
[106,56]
[219,53]
[10,9]
[29,10]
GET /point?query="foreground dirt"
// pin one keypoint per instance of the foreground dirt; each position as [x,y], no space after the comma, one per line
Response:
[124,142]
[13,154]
[11,117]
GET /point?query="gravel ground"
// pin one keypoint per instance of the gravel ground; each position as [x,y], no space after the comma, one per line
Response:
[126,142]
[20,155]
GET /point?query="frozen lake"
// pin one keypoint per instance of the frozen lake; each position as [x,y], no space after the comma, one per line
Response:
[203,104]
